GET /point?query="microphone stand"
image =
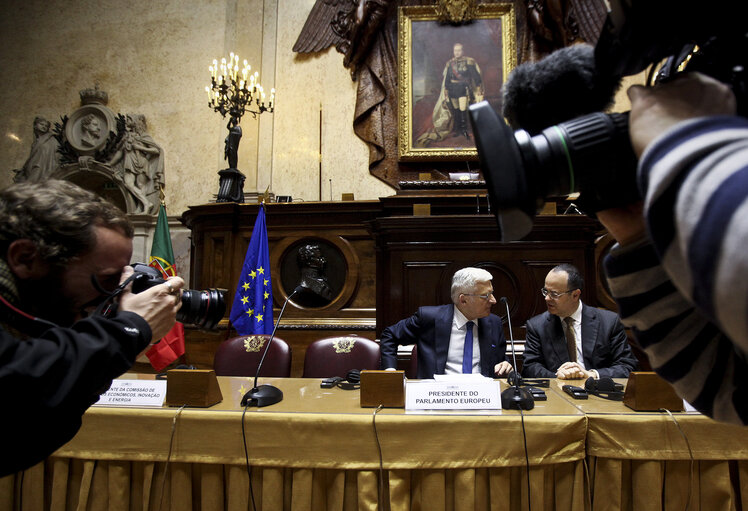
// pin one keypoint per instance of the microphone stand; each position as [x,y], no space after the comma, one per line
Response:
[266,395]
[515,397]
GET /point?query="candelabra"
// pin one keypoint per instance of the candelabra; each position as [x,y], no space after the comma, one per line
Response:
[235,92]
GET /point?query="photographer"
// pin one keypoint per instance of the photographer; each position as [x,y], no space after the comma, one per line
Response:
[679,271]
[62,251]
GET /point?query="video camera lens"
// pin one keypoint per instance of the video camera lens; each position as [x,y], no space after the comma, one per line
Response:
[591,155]
[200,308]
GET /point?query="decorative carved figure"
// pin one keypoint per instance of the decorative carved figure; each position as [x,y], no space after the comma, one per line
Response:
[351,25]
[43,159]
[138,161]
[232,145]
[90,131]
[312,267]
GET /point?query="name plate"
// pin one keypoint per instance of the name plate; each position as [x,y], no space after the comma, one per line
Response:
[452,395]
[134,393]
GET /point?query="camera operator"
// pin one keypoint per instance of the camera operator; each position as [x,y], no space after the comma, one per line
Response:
[680,271]
[62,250]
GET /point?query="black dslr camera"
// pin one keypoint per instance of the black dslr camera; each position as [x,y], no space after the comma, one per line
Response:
[592,154]
[201,308]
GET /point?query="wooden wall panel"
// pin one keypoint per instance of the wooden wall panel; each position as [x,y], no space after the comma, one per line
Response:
[388,262]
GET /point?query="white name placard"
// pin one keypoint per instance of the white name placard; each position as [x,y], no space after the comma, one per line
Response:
[452,395]
[134,393]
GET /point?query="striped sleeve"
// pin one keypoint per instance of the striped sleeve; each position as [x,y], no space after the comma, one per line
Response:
[686,294]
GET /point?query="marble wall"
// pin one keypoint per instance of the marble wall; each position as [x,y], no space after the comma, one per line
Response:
[152,58]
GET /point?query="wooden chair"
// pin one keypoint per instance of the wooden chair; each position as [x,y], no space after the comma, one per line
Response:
[335,356]
[240,356]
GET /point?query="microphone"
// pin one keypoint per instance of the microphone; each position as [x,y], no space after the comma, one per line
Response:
[515,397]
[266,395]
[564,85]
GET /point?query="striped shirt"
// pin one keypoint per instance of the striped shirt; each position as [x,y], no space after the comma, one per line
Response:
[684,290]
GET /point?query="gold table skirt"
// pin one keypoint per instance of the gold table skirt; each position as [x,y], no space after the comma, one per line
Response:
[317,449]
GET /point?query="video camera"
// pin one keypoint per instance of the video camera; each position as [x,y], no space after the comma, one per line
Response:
[591,154]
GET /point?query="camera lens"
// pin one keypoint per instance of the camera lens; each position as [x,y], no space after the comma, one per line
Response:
[202,308]
[591,155]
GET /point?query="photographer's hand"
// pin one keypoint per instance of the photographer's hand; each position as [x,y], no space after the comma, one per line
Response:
[656,109]
[158,305]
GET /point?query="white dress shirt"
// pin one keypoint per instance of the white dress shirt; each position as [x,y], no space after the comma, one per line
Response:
[457,344]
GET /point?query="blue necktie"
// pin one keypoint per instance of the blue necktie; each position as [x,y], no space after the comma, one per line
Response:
[467,351]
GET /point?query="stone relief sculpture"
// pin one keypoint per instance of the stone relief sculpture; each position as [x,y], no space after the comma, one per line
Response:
[90,131]
[43,158]
[139,162]
[97,148]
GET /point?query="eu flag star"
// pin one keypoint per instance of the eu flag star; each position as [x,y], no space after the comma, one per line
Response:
[252,309]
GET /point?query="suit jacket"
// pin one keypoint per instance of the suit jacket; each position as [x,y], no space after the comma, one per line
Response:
[604,345]
[430,328]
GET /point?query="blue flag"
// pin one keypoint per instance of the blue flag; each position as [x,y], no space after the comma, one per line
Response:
[252,311]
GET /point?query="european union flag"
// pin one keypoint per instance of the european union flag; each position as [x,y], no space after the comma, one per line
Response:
[252,311]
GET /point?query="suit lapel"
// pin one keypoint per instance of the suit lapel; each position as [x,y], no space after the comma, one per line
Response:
[590,327]
[485,334]
[442,333]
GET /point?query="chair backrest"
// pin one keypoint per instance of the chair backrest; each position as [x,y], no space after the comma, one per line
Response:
[240,356]
[335,356]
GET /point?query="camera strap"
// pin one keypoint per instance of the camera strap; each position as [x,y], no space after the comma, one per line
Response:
[107,306]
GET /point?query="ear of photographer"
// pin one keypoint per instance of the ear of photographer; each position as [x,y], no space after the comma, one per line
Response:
[67,326]
[669,180]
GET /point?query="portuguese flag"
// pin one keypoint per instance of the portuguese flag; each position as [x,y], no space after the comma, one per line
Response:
[171,347]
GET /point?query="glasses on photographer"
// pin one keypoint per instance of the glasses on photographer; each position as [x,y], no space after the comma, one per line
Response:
[485,296]
[545,292]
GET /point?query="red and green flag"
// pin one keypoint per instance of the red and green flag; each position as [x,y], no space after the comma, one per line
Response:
[171,347]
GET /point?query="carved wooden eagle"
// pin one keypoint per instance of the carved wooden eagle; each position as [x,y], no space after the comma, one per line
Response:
[350,25]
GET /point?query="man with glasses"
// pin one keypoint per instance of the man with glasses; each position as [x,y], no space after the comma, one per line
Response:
[573,340]
[462,337]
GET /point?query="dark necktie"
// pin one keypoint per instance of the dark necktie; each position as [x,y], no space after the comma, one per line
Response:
[467,351]
[571,339]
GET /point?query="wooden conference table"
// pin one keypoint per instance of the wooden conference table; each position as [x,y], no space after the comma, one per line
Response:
[318,450]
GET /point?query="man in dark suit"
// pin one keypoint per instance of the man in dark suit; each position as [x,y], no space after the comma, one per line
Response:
[441,332]
[573,340]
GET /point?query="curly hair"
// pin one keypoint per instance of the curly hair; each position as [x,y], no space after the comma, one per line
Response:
[58,216]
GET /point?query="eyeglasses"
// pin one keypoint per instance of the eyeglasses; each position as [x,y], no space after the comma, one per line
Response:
[554,294]
[485,296]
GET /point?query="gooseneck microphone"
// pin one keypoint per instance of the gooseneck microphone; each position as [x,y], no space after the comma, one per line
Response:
[266,395]
[515,397]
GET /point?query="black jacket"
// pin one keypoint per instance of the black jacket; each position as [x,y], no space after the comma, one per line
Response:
[430,328]
[604,345]
[50,375]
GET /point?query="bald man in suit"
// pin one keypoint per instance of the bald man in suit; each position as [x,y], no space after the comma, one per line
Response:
[572,340]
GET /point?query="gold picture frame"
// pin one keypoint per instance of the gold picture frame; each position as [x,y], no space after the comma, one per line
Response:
[425,49]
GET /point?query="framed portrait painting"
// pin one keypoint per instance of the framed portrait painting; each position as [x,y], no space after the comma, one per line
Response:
[442,70]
